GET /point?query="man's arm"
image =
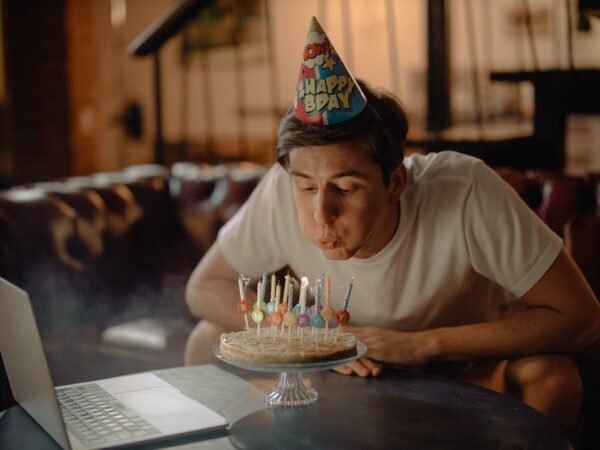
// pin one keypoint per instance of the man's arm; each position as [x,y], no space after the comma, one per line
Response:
[562,316]
[212,291]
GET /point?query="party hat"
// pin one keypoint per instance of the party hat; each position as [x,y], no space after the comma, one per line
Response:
[326,92]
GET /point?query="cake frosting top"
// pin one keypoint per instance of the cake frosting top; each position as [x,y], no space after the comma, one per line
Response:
[318,345]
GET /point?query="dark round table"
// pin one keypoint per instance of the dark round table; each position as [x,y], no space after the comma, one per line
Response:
[399,409]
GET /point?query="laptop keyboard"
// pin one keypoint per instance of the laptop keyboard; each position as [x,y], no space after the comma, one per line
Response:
[96,417]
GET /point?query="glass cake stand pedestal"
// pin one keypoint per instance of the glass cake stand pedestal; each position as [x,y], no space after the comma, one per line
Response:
[290,389]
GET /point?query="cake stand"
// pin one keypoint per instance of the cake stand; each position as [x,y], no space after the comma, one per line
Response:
[290,389]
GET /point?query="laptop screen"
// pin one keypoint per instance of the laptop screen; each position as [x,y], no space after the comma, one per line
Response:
[25,362]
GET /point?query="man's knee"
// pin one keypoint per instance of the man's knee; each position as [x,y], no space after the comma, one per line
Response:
[556,376]
[551,384]
[199,344]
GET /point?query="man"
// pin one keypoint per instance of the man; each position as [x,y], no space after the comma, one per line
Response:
[449,264]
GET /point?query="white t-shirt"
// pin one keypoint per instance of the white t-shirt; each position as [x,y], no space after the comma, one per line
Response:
[465,249]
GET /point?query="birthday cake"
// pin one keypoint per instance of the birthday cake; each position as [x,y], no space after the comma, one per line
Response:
[246,346]
[297,334]
[320,345]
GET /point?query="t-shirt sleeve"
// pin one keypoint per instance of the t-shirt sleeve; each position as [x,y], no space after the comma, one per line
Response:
[251,240]
[507,242]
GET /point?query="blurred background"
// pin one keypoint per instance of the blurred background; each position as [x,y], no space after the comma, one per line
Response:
[98,85]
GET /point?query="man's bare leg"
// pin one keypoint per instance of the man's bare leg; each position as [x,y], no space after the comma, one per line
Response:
[198,349]
[548,383]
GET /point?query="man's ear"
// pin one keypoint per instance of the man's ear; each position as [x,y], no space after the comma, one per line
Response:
[398,179]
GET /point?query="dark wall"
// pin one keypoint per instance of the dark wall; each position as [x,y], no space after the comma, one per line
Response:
[37,87]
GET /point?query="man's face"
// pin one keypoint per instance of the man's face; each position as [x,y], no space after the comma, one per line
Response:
[343,206]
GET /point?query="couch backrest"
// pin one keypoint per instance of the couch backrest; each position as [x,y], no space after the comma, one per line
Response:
[570,205]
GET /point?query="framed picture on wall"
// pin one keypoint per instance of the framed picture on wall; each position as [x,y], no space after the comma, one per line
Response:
[226,23]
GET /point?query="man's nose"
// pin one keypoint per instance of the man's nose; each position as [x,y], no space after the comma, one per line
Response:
[325,208]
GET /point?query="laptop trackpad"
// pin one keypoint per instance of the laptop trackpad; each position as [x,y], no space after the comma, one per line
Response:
[170,411]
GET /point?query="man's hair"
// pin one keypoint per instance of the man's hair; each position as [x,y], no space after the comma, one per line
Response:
[380,129]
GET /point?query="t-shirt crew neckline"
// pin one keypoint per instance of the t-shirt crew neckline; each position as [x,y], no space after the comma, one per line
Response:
[394,242]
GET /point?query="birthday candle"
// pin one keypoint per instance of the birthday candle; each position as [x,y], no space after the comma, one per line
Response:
[316,319]
[263,287]
[283,305]
[289,318]
[286,287]
[303,289]
[327,311]
[298,307]
[276,317]
[258,286]
[318,294]
[343,316]
[243,305]
[303,320]
[273,282]
[348,292]
[258,315]
[271,306]
[241,287]
[260,304]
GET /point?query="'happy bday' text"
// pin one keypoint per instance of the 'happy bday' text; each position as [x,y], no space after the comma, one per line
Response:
[329,93]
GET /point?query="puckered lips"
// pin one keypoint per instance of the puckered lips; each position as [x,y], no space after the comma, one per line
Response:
[328,243]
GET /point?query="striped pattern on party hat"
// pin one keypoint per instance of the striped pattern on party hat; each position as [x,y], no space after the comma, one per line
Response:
[326,92]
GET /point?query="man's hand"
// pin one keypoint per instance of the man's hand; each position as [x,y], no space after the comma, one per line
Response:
[364,367]
[395,347]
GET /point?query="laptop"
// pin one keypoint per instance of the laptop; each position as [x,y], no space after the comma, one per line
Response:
[111,412]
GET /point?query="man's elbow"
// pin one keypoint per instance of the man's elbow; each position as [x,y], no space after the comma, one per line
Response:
[193,300]
[594,329]
[587,330]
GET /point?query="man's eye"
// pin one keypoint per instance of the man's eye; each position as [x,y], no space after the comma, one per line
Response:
[307,188]
[345,191]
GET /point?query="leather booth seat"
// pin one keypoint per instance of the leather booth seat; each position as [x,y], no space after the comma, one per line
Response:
[55,246]
[90,212]
[569,205]
[208,196]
